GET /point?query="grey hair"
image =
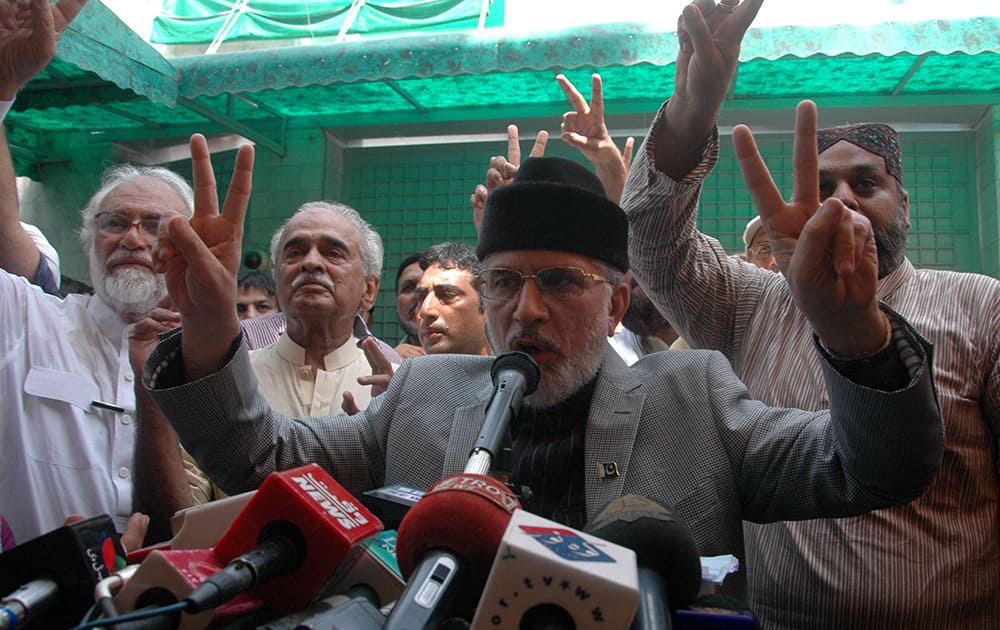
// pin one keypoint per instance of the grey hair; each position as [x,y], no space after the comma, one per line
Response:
[372,251]
[118,174]
[613,274]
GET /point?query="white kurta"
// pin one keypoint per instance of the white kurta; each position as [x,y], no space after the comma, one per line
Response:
[62,454]
[290,387]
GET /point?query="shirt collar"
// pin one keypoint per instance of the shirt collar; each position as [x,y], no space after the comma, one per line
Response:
[110,323]
[889,284]
[334,360]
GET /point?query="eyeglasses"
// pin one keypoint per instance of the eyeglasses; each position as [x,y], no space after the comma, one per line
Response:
[761,251]
[117,223]
[562,283]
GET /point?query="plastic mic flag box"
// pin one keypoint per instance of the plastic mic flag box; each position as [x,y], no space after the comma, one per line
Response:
[543,567]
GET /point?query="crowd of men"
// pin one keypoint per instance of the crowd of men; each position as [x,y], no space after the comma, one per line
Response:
[835,424]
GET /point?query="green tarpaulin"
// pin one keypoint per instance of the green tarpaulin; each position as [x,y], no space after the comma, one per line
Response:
[199,21]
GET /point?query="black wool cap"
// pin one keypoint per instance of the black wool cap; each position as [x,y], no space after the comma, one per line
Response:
[555,204]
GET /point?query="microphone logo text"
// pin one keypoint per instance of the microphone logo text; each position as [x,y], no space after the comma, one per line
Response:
[346,513]
[566,544]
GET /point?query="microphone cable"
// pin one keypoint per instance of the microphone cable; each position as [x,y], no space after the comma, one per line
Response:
[137,615]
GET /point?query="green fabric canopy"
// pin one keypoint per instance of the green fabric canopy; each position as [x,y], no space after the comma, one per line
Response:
[199,21]
[107,80]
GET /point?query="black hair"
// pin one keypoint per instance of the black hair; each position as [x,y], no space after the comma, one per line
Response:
[255,279]
[409,260]
[452,255]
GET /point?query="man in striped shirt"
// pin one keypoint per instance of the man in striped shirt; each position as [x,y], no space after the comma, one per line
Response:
[934,563]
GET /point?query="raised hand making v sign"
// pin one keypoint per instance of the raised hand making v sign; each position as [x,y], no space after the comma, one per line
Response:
[502,169]
[200,259]
[29,40]
[585,129]
[827,252]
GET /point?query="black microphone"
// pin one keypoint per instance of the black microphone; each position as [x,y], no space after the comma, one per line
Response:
[665,549]
[355,610]
[390,504]
[281,551]
[515,375]
[52,577]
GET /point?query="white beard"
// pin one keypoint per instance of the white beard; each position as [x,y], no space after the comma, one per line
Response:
[566,377]
[131,292]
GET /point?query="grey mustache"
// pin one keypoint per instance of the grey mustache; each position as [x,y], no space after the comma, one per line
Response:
[313,278]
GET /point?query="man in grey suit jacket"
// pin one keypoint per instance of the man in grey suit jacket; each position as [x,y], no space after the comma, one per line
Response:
[677,427]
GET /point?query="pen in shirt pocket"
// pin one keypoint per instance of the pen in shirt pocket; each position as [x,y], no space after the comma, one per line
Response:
[109,406]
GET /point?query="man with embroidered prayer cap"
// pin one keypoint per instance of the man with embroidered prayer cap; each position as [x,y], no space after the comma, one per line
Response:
[934,563]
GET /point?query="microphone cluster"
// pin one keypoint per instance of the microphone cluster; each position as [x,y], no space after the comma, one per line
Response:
[301,552]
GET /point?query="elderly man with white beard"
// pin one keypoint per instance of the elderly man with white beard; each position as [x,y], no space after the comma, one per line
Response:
[68,401]
[69,398]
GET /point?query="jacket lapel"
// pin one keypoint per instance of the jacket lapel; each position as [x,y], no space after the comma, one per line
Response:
[465,428]
[615,412]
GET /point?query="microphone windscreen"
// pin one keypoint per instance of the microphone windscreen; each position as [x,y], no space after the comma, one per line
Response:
[661,540]
[520,362]
[464,514]
[331,522]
